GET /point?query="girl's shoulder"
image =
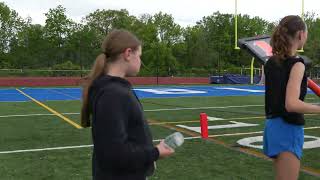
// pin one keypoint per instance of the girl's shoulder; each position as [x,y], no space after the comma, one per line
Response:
[290,61]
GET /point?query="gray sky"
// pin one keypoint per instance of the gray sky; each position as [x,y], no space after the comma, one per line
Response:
[185,12]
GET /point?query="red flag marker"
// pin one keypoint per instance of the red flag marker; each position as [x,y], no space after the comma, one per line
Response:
[204,125]
[314,87]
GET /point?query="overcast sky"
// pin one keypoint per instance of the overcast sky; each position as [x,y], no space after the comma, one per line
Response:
[185,12]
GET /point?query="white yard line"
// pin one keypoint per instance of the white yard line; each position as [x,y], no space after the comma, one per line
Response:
[156,140]
[214,107]
[58,92]
[150,110]
[27,115]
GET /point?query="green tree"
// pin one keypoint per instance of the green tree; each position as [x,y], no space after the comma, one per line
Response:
[10,25]
[312,47]
[169,35]
[57,29]
[30,49]
[102,21]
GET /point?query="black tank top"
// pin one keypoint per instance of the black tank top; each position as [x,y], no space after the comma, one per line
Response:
[276,78]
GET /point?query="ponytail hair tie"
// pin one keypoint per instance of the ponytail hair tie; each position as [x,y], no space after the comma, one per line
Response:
[106,54]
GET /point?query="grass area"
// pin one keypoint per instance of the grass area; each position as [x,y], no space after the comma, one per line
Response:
[197,159]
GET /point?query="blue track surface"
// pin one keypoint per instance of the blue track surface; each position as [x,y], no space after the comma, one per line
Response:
[46,94]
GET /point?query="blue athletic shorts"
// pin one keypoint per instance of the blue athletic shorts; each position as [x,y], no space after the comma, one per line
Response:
[280,136]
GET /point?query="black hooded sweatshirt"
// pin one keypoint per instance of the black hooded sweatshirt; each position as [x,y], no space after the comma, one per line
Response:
[122,140]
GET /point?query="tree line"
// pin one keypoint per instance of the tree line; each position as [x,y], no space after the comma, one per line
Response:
[206,48]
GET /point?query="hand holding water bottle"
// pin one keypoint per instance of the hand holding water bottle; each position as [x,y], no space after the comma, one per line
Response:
[167,146]
[164,150]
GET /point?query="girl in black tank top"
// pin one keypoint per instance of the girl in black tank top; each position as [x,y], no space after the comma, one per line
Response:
[286,87]
[276,83]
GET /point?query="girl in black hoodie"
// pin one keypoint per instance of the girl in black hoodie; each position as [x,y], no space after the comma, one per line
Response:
[123,148]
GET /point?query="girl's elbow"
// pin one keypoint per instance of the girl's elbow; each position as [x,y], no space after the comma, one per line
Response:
[291,106]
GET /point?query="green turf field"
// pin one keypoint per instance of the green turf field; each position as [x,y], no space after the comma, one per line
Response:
[54,149]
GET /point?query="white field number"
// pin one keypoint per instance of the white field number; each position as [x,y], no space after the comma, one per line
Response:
[254,142]
[233,124]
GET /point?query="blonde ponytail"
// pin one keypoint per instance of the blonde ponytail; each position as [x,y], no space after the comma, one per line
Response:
[97,70]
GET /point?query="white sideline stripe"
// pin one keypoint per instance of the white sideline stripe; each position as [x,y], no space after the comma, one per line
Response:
[151,110]
[157,140]
[53,88]
[236,134]
[215,107]
[65,94]
[15,101]
[241,89]
[26,115]
[215,119]
[316,127]
[27,100]
[44,149]
[69,147]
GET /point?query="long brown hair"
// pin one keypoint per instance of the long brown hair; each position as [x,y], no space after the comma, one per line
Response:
[284,34]
[115,43]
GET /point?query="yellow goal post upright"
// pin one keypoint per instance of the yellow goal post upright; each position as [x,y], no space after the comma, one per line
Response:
[236,47]
[236,25]
[236,35]
[302,16]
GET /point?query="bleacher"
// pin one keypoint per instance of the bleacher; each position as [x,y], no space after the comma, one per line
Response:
[233,79]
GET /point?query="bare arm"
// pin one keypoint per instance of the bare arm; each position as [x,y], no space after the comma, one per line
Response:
[293,103]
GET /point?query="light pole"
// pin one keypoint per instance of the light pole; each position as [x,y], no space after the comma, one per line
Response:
[80,60]
[158,56]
